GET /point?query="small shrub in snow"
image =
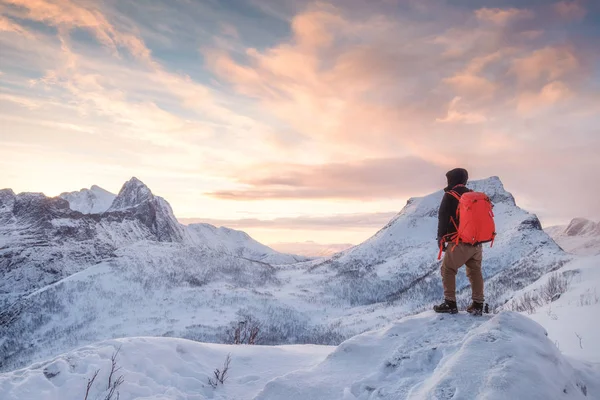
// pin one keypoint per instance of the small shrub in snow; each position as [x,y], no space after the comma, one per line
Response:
[556,285]
[220,376]
[588,298]
[244,331]
[110,392]
[550,291]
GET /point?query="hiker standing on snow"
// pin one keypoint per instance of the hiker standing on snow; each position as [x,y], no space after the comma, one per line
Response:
[457,253]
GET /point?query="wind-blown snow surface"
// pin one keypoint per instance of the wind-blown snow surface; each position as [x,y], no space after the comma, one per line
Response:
[572,317]
[581,236]
[158,279]
[159,368]
[90,201]
[426,356]
[442,357]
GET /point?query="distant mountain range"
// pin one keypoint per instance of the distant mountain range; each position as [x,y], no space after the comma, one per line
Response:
[580,236]
[71,278]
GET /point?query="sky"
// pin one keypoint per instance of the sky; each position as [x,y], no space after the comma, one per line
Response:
[303,120]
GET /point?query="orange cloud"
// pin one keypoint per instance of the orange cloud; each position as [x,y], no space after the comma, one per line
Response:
[549,63]
[362,180]
[570,10]
[502,17]
[552,93]
[67,15]
[456,113]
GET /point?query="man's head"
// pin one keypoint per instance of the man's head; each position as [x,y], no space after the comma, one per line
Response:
[458,176]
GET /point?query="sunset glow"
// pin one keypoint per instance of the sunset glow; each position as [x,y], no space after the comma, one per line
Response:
[302,120]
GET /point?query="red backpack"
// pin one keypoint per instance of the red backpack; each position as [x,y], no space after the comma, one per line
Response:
[476,220]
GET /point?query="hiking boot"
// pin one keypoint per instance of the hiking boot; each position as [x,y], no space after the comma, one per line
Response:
[475,308]
[448,307]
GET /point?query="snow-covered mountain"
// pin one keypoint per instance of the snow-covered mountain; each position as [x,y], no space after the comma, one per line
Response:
[89,201]
[581,236]
[147,275]
[240,244]
[399,262]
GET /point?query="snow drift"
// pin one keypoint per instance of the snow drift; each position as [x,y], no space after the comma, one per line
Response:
[426,356]
[429,356]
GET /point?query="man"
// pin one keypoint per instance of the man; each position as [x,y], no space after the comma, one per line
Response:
[460,254]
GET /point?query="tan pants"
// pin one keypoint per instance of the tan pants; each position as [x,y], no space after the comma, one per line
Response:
[463,254]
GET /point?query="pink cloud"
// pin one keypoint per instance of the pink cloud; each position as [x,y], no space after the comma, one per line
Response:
[364,180]
[502,17]
[570,10]
[458,113]
[548,63]
[551,94]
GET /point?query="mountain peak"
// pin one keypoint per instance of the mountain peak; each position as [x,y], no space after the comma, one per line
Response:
[582,227]
[133,193]
[89,201]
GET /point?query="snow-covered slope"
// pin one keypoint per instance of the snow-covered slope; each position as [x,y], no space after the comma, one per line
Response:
[399,262]
[89,201]
[581,236]
[427,356]
[567,303]
[157,278]
[444,357]
[158,368]
[240,244]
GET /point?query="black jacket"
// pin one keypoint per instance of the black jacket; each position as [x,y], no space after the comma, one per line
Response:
[449,204]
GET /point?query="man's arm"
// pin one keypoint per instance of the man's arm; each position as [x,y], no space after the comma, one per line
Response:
[443,217]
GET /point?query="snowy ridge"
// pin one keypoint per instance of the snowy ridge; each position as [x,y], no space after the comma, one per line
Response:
[399,262]
[439,357]
[240,244]
[581,236]
[133,193]
[426,356]
[89,201]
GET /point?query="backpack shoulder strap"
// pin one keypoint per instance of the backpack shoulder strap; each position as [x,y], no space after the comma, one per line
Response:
[454,194]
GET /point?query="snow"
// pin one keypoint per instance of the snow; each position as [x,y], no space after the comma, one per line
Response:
[133,193]
[73,280]
[429,356]
[159,368]
[240,244]
[198,282]
[581,236]
[426,356]
[89,201]
[575,312]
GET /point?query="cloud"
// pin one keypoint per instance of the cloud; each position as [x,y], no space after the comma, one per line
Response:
[364,180]
[292,102]
[550,94]
[455,114]
[548,63]
[570,10]
[499,16]
[327,222]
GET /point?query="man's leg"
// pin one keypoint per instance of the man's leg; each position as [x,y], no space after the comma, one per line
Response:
[454,258]
[475,276]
